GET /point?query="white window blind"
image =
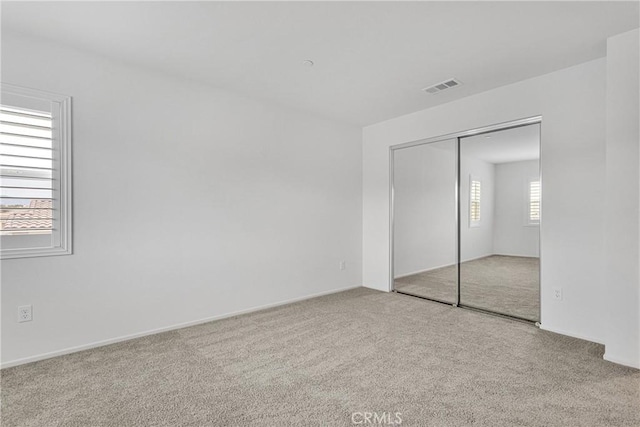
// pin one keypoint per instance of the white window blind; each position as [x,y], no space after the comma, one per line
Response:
[534,201]
[26,158]
[35,187]
[474,205]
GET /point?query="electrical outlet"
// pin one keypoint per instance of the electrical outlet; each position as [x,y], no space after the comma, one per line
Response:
[343,265]
[25,313]
[557,293]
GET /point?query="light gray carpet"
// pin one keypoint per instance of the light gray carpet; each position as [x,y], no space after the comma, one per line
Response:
[504,284]
[316,362]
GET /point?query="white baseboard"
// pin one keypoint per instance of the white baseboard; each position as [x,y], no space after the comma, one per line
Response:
[517,256]
[102,343]
[442,266]
[376,288]
[423,271]
[607,357]
[571,334]
[621,361]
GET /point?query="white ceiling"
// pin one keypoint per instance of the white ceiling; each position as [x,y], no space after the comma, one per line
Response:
[371,58]
[504,146]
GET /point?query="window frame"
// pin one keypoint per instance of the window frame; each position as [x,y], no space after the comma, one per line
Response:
[475,222]
[61,235]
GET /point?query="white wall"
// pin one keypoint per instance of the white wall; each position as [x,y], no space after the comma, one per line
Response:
[572,105]
[190,203]
[425,207]
[622,279]
[513,235]
[476,241]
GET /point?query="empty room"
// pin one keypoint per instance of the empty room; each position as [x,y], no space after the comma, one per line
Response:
[331,213]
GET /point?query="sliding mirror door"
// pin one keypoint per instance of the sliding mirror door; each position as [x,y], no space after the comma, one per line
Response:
[424,221]
[500,196]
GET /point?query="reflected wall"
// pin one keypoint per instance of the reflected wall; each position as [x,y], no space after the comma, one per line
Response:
[425,242]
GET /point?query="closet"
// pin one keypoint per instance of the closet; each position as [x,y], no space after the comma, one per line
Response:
[466,211]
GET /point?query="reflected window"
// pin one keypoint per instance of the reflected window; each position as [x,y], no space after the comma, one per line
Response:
[533,208]
[475,202]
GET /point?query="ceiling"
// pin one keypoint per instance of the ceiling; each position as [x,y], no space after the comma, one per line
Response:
[504,146]
[371,58]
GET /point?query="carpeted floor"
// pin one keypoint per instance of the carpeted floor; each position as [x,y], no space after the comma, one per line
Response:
[504,284]
[317,362]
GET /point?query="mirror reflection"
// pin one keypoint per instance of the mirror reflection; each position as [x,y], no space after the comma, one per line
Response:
[425,242]
[500,212]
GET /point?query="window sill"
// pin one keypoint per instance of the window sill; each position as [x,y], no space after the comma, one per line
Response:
[34,252]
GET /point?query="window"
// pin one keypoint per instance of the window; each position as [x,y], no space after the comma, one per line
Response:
[35,173]
[475,187]
[533,206]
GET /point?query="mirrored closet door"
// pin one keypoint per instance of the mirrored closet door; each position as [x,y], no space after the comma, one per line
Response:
[500,197]
[465,219]
[424,218]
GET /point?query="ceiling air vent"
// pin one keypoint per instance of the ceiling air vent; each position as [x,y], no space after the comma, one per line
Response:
[439,87]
